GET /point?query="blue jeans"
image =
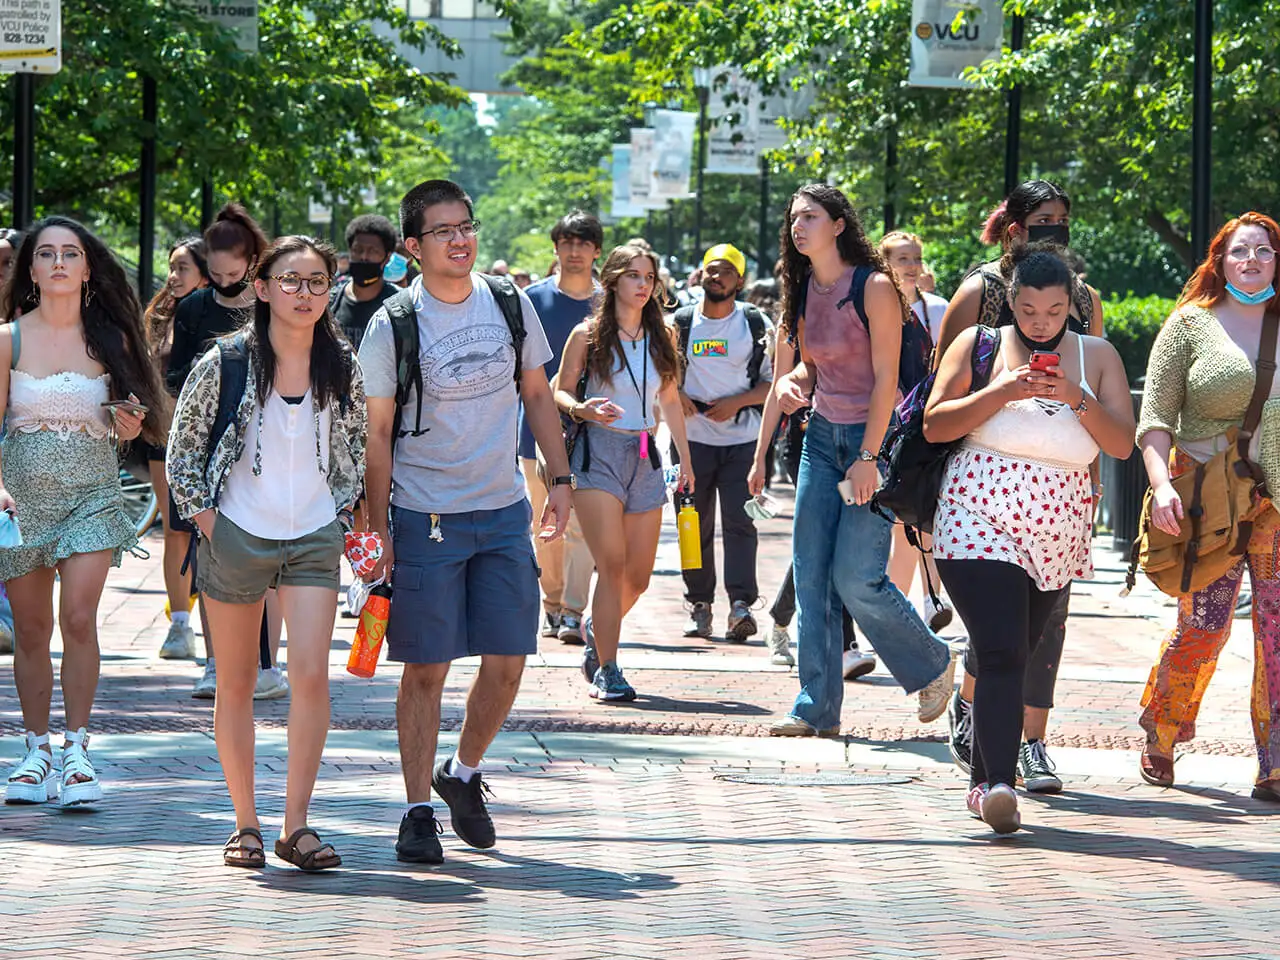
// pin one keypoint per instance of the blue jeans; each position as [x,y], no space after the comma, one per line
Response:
[840,554]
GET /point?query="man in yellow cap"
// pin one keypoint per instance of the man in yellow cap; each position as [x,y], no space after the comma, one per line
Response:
[727,375]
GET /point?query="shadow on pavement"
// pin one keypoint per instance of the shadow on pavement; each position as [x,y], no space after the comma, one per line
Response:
[531,873]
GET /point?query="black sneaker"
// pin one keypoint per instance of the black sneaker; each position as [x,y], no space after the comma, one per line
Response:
[419,837]
[467,813]
[960,719]
[1035,769]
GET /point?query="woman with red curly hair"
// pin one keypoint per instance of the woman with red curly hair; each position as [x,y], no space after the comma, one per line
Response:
[1200,378]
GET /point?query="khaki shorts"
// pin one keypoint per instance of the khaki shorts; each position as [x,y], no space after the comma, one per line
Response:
[237,567]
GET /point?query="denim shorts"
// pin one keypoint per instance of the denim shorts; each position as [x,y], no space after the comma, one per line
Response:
[473,591]
[237,567]
[616,468]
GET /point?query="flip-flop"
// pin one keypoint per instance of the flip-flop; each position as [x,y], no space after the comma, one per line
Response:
[236,854]
[287,850]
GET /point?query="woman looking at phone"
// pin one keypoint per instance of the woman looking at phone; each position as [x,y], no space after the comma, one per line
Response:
[75,378]
[1015,510]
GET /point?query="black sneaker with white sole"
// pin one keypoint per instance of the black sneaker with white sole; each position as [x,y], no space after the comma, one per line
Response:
[467,811]
[960,721]
[419,840]
[1036,770]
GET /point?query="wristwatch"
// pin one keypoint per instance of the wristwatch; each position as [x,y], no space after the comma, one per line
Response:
[866,456]
[570,479]
[1082,407]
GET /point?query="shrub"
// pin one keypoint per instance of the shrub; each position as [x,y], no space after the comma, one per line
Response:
[1132,324]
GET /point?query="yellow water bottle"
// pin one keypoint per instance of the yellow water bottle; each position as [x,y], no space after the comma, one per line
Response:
[690,535]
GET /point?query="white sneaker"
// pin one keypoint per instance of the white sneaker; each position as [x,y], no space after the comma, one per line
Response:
[937,615]
[780,647]
[180,643]
[857,664]
[272,684]
[207,686]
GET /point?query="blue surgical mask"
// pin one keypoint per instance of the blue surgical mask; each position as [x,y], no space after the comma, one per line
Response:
[1251,299]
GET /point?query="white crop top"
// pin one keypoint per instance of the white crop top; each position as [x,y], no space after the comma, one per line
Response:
[61,402]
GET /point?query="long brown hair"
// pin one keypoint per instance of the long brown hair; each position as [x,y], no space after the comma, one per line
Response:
[160,311]
[1208,284]
[604,343]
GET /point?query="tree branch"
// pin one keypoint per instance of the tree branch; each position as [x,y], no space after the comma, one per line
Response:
[1171,235]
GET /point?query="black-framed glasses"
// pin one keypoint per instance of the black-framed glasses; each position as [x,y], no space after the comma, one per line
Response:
[443,234]
[292,283]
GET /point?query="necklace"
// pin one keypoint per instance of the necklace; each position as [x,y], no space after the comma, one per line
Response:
[820,289]
[632,335]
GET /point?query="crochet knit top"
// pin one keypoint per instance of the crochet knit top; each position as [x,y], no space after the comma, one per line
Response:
[1199,381]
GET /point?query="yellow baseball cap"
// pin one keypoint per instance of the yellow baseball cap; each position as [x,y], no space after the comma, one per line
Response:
[729,253]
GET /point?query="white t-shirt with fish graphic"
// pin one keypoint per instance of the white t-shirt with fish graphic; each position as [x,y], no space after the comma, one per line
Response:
[465,459]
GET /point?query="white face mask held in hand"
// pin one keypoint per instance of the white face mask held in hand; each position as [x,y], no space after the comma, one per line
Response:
[10,535]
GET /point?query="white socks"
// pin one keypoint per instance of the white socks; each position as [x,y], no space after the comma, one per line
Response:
[460,770]
[179,619]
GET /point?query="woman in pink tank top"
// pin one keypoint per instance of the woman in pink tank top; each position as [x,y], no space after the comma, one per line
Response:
[841,303]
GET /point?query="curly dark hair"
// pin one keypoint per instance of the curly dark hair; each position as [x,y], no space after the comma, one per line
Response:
[331,366]
[110,316]
[854,247]
[604,344]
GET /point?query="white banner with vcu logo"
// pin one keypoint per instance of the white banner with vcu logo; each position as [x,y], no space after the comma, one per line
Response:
[949,35]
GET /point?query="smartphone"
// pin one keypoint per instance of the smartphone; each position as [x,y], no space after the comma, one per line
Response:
[137,409]
[845,487]
[1041,362]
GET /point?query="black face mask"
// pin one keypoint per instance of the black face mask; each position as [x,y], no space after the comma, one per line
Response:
[231,290]
[1041,346]
[364,273]
[1059,233]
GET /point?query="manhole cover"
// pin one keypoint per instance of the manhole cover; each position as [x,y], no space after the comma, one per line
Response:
[817,779]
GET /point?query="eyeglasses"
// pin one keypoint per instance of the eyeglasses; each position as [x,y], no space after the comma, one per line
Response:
[47,257]
[466,229]
[292,283]
[1263,252]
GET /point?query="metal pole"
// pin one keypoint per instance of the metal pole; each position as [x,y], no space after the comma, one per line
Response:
[1013,134]
[1202,130]
[671,230]
[703,95]
[206,203]
[890,178]
[275,221]
[763,267]
[147,191]
[24,149]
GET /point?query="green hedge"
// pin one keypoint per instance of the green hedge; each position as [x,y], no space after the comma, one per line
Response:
[1132,324]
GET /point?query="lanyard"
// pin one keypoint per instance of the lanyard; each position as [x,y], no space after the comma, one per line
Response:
[644,376]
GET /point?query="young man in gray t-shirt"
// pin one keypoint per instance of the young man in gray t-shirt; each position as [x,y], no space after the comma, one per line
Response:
[452,510]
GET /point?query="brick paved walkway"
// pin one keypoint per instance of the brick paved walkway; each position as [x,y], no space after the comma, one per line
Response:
[618,842]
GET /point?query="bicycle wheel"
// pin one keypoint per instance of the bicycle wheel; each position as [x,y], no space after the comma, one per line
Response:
[139,501]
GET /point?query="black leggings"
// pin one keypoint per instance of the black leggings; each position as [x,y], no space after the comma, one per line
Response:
[1042,667]
[1005,615]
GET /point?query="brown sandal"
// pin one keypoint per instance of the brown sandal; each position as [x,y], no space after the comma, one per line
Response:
[235,853]
[287,850]
[1156,770]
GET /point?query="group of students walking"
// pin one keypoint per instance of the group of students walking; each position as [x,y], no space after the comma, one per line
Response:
[432,414]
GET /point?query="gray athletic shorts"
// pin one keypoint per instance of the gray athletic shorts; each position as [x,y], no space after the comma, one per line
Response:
[237,567]
[472,592]
[616,468]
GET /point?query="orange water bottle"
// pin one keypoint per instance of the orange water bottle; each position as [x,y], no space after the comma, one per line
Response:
[690,534]
[372,628]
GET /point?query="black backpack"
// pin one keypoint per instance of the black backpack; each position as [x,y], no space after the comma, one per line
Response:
[916,353]
[759,327]
[404,329]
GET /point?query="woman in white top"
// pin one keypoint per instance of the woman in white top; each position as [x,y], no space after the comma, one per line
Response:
[266,496]
[1015,509]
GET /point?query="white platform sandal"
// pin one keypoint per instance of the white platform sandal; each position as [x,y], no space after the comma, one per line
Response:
[33,780]
[75,762]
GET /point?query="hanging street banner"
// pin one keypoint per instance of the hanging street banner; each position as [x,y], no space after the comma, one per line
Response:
[948,36]
[673,153]
[787,103]
[30,36]
[238,16]
[643,161]
[733,109]
[620,200]
[319,213]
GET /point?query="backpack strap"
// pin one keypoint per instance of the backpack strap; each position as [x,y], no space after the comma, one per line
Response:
[15,338]
[336,294]
[857,294]
[684,324]
[404,335]
[982,360]
[758,324]
[233,377]
[507,294]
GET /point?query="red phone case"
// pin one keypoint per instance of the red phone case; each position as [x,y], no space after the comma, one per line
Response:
[1040,362]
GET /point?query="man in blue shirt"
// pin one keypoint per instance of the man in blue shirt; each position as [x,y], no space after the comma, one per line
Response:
[563,300]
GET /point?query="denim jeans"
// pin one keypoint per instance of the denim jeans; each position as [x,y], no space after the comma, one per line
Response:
[840,554]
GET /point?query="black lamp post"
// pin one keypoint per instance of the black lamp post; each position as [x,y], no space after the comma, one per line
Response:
[1202,130]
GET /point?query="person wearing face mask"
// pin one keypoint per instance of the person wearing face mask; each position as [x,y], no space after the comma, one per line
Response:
[1037,211]
[188,272]
[1200,380]
[1015,507]
[371,240]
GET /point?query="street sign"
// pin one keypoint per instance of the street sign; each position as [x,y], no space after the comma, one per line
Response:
[949,36]
[239,16]
[30,36]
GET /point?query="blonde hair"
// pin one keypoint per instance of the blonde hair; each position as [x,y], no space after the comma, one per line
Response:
[898,236]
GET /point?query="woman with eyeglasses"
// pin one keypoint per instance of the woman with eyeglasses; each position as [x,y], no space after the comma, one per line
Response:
[1200,378]
[75,379]
[267,507]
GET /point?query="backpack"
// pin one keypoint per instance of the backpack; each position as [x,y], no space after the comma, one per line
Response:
[914,466]
[916,353]
[404,330]
[234,354]
[757,323]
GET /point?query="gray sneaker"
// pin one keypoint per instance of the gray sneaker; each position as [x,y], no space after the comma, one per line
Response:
[207,686]
[699,624]
[550,623]
[780,647]
[590,659]
[1036,770]
[179,643]
[741,623]
[272,684]
[609,684]
[570,629]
